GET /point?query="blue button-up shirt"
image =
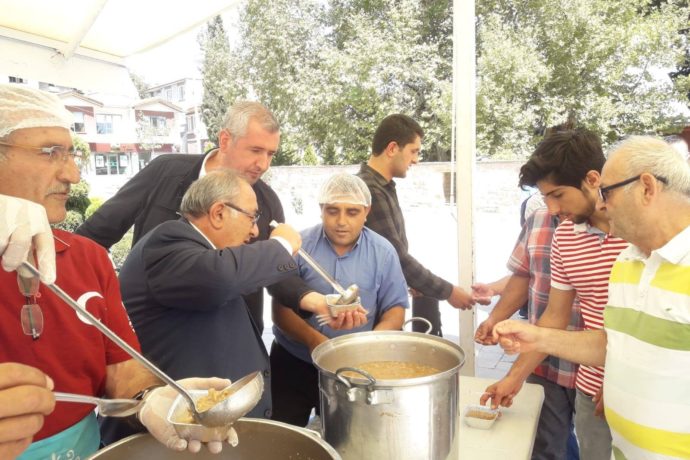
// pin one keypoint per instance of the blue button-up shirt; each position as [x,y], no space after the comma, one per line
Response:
[372,264]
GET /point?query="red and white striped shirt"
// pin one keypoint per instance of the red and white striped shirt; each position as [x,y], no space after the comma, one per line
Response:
[581,259]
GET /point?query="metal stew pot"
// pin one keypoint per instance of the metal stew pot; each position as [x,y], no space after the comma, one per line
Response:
[400,419]
[259,439]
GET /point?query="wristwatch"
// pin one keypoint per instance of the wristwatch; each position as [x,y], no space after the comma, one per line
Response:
[141,395]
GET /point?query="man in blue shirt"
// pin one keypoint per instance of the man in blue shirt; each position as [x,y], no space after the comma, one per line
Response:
[352,253]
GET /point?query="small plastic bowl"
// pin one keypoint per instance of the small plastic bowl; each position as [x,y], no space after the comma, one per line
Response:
[334,309]
[179,410]
[481,417]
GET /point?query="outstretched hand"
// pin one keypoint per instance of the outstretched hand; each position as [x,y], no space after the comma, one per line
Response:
[154,416]
[516,336]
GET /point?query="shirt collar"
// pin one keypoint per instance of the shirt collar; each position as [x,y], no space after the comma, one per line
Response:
[673,251]
[677,248]
[202,171]
[586,227]
[378,178]
[60,239]
[352,249]
[202,234]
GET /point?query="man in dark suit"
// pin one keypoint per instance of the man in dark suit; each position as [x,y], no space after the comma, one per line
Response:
[182,285]
[246,144]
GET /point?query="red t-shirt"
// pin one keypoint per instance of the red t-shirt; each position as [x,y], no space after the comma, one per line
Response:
[73,353]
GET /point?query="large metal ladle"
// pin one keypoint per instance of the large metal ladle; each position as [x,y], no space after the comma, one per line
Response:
[217,419]
[347,296]
[106,407]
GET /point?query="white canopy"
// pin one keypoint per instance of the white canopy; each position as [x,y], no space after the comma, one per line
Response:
[55,41]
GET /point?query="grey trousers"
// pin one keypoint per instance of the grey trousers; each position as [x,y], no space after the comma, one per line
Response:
[593,433]
[555,421]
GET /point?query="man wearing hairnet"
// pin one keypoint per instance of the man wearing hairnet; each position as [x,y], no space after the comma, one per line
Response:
[45,346]
[353,254]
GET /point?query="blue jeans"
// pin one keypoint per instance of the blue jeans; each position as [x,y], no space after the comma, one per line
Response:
[555,430]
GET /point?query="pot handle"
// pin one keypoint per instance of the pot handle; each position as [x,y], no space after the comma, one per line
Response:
[347,383]
[419,318]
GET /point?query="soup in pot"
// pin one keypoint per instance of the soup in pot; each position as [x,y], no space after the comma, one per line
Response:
[393,370]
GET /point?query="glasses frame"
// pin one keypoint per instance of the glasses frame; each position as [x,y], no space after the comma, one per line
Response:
[54,152]
[31,315]
[254,217]
[604,191]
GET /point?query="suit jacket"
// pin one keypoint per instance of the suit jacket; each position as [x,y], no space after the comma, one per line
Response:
[153,196]
[185,302]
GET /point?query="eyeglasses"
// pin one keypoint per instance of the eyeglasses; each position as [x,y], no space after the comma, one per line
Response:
[254,217]
[56,153]
[31,315]
[605,191]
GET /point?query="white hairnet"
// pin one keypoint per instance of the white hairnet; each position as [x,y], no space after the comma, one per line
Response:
[24,107]
[345,188]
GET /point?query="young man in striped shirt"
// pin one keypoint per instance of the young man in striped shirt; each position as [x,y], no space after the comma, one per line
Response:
[566,168]
[645,192]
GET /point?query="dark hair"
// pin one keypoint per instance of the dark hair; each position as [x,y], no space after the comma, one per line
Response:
[563,158]
[397,128]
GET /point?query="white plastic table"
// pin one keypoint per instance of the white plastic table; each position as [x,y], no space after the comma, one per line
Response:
[510,437]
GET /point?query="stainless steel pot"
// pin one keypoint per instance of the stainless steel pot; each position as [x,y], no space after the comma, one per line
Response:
[405,419]
[259,440]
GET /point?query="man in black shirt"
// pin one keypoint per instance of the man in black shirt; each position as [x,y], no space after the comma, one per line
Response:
[396,146]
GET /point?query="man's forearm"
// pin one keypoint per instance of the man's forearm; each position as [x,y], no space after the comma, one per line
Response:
[295,327]
[391,320]
[556,316]
[125,379]
[513,297]
[582,347]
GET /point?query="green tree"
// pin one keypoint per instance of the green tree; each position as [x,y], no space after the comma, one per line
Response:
[77,203]
[592,62]
[82,147]
[332,71]
[139,83]
[216,76]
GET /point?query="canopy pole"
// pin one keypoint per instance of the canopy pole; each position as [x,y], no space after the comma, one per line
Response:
[464,69]
[68,50]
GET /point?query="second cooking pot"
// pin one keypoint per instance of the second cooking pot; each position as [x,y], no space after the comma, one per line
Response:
[402,419]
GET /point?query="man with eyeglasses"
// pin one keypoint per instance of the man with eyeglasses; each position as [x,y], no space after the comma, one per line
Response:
[182,285]
[247,142]
[566,168]
[645,343]
[45,346]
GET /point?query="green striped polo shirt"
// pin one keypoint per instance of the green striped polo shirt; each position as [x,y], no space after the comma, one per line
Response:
[647,382]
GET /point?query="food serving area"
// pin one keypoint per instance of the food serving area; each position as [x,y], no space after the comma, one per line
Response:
[511,436]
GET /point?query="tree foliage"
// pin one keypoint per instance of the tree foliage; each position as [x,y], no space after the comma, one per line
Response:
[139,84]
[82,147]
[77,203]
[592,62]
[217,79]
[331,70]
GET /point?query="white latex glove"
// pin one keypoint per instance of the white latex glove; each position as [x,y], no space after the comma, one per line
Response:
[24,223]
[154,414]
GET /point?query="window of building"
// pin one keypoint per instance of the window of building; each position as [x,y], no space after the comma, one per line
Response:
[168,94]
[78,126]
[180,93]
[158,122]
[190,123]
[107,123]
[17,80]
